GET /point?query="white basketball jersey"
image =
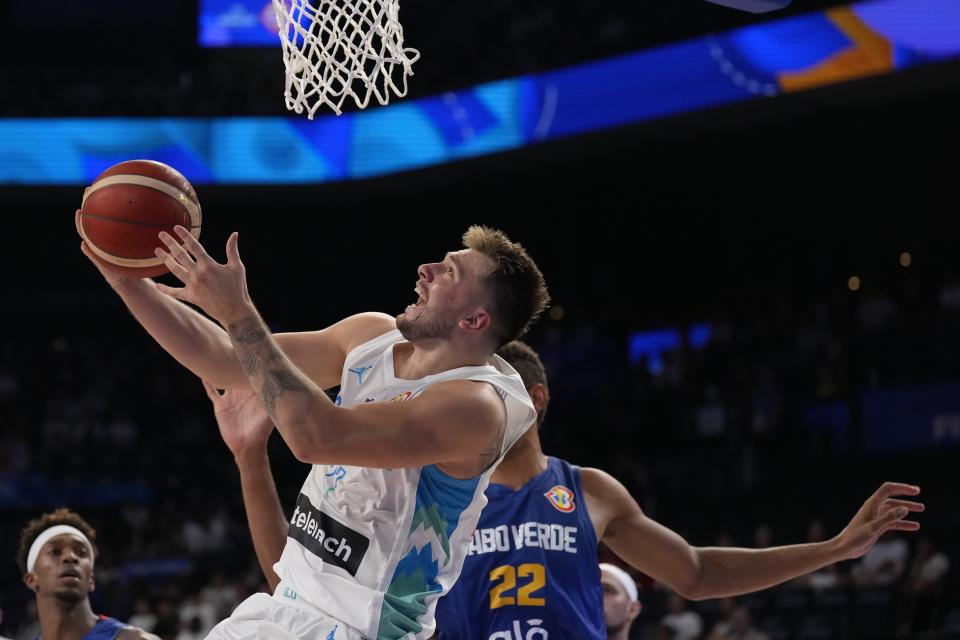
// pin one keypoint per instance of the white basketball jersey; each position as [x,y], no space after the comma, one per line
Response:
[375,548]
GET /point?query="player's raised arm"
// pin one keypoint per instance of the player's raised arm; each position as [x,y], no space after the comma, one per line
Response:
[698,573]
[204,347]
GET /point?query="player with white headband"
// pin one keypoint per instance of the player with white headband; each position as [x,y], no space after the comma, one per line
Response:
[57,556]
[620,604]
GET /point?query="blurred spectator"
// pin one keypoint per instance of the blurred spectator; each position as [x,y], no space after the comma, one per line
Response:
[924,587]
[664,632]
[197,616]
[168,623]
[192,629]
[826,577]
[222,595]
[684,623]
[884,564]
[738,625]
[143,616]
[725,608]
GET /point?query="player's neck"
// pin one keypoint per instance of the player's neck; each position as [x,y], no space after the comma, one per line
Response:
[622,634]
[523,462]
[64,620]
[413,362]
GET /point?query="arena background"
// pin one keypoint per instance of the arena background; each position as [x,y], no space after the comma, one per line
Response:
[709,345]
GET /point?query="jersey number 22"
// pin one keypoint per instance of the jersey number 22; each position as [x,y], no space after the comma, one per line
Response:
[505,579]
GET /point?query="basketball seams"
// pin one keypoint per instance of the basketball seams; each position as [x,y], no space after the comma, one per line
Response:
[177,195]
[159,225]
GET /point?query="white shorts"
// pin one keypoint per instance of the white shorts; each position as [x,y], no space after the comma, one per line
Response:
[266,617]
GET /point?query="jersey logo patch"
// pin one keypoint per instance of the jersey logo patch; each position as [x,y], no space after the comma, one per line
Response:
[561,498]
[406,395]
[330,540]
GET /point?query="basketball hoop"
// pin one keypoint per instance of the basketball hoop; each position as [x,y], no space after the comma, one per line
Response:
[339,49]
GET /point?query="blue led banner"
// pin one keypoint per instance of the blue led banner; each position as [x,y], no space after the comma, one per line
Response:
[908,418]
[789,55]
[237,23]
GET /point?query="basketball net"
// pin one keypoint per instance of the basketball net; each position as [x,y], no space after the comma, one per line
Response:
[339,49]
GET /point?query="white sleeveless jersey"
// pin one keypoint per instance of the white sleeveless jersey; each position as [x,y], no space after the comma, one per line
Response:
[376,548]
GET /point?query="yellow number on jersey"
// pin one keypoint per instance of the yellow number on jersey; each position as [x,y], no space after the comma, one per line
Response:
[507,575]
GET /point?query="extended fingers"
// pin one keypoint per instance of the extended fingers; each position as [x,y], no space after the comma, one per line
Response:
[904,525]
[176,268]
[909,505]
[888,489]
[192,245]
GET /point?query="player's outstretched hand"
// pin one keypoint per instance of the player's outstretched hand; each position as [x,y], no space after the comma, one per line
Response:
[884,511]
[243,422]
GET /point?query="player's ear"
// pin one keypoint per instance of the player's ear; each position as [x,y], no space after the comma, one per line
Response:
[477,321]
[540,396]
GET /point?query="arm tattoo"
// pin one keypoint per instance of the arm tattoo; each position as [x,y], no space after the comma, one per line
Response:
[493,450]
[271,374]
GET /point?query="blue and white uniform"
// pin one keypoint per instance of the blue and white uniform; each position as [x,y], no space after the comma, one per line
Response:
[369,551]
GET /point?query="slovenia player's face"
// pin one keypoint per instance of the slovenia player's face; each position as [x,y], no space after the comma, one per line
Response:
[447,292]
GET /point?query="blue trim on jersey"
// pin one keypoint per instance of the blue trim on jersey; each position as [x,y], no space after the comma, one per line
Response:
[440,501]
[518,529]
[105,629]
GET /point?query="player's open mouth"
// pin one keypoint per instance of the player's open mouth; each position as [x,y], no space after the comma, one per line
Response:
[421,296]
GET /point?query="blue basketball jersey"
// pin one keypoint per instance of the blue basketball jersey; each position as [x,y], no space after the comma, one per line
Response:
[531,572]
[105,629]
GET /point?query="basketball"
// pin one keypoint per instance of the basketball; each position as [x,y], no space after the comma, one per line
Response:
[125,209]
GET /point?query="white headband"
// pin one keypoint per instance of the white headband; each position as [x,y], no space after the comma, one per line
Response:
[53,532]
[628,584]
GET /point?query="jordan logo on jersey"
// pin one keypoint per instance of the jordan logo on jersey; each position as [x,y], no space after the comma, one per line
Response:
[561,498]
[360,371]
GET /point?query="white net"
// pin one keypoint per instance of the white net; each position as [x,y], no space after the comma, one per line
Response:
[335,49]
